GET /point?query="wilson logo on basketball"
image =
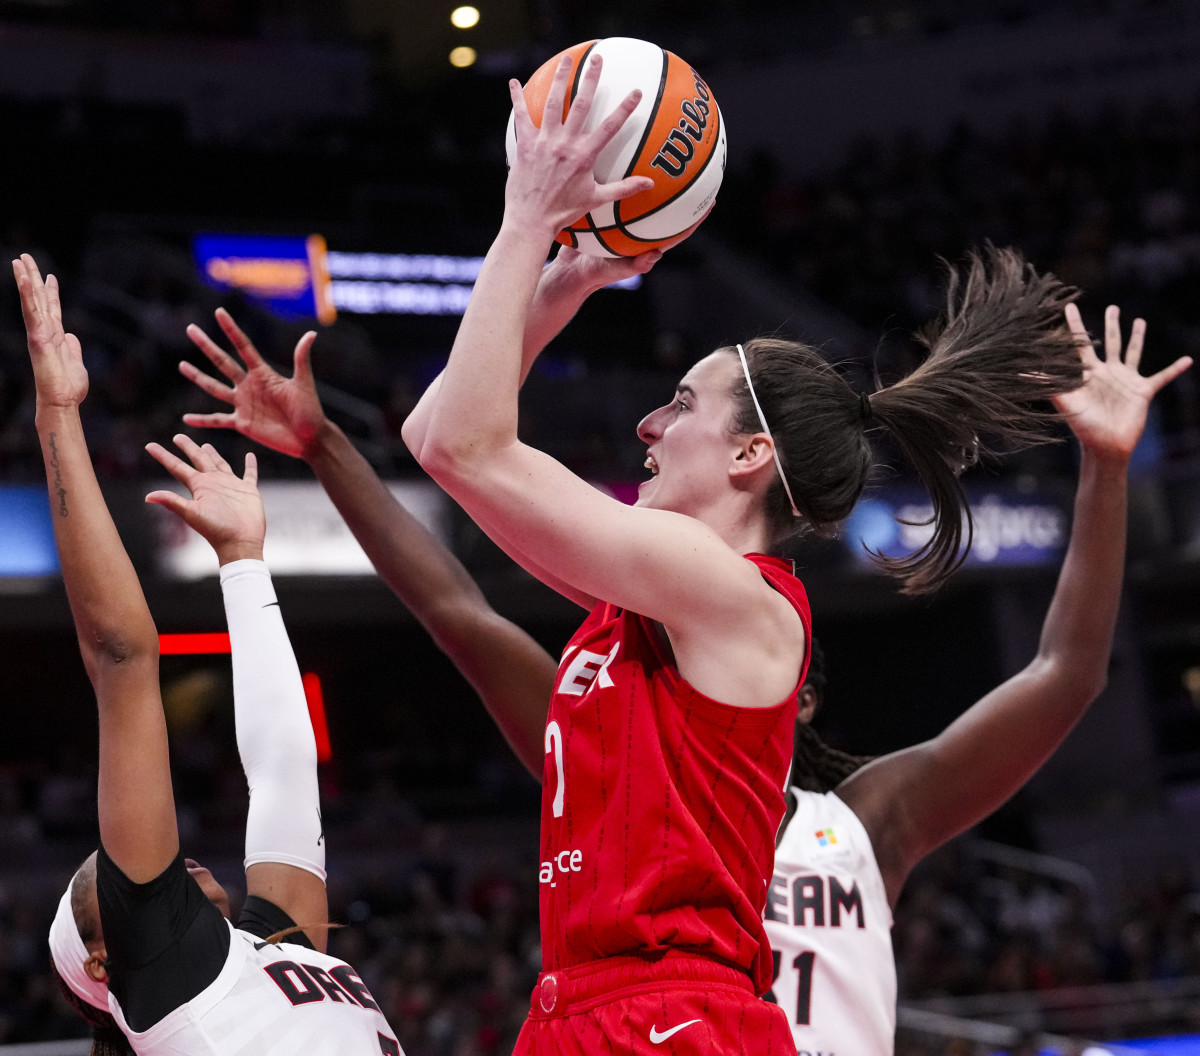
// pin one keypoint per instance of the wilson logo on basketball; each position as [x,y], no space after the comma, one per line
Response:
[680,146]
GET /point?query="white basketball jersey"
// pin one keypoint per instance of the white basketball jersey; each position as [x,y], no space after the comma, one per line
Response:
[829,923]
[271,1000]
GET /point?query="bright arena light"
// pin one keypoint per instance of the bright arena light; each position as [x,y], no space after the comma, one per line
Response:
[464,17]
[462,57]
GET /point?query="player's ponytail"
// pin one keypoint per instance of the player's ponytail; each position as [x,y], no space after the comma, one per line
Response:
[1001,350]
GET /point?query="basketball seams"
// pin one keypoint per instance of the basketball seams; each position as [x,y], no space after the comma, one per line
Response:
[579,65]
[585,225]
[650,119]
[651,122]
[600,239]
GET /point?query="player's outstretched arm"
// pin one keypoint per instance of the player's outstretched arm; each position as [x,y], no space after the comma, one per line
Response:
[117,637]
[917,799]
[512,673]
[285,844]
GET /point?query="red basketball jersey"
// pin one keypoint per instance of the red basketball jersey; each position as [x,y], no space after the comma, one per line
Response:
[660,806]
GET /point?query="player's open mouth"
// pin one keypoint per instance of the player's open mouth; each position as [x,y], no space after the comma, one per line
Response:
[651,465]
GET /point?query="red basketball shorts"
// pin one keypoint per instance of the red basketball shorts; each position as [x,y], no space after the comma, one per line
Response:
[678,1005]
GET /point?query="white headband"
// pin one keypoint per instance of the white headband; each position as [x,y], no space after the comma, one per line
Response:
[69,954]
[762,418]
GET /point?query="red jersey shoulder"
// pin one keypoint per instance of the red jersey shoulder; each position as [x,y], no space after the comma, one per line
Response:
[781,574]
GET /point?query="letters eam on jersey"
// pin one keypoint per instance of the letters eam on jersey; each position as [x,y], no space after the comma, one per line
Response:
[809,901]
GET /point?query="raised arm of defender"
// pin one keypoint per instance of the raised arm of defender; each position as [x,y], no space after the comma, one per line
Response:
[117,637]
[285,843]
[511,672]
[917,799]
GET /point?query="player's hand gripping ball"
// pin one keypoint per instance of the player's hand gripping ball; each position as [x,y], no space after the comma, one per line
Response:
[675,136]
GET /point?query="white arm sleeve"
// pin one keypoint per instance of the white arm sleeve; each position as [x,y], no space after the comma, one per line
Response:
[274,732]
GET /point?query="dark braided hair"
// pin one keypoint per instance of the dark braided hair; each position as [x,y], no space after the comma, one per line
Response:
[1001,348]
[816,767]
[107,1039]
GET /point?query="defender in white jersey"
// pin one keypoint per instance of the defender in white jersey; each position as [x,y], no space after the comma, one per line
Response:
[829,923]
[141,941]
[856,827]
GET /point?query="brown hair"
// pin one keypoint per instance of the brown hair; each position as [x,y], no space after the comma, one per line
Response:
[1001,348]
[277,937]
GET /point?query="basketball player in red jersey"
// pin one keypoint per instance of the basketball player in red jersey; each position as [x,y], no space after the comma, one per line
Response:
[669,731]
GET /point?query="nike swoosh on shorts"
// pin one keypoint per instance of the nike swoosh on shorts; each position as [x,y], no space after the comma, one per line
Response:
[657,1039]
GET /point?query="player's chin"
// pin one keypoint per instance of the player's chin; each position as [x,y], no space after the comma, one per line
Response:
[213,891]
[645,495]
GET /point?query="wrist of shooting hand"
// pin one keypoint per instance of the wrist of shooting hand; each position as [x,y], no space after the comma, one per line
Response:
[528,226]
[564,286]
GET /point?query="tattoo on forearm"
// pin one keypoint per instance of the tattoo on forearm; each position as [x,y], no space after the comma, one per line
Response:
[57,483]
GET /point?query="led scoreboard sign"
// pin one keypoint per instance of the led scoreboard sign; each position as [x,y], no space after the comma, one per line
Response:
[300,277]
[288,274]
[402,283]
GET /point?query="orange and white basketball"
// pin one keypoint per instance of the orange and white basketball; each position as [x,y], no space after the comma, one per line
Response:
[675,136]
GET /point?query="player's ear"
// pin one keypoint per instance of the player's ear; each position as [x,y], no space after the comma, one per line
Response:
[807,700]
[754,452]
[94,965]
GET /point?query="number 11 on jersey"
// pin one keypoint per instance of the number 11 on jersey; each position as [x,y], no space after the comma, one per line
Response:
[803,964]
